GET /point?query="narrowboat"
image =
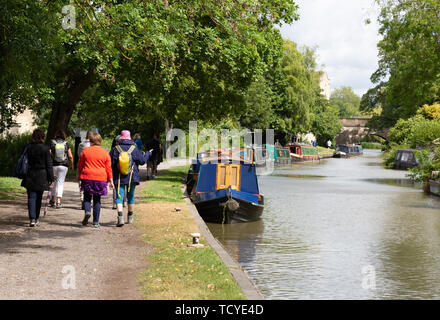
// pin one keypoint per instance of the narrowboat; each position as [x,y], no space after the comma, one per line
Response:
[223,186]
[302,152]
[346,150]
[264,160]
[405,159]
[282,156]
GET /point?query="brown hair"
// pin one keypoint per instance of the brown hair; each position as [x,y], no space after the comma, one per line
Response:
[95,139]
[89,134]
[38,136]
[60,134]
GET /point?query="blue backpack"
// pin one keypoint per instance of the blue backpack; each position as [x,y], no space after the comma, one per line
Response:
[22,167]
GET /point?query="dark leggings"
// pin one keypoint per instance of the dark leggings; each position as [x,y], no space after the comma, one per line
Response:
[34,203]
[96,205]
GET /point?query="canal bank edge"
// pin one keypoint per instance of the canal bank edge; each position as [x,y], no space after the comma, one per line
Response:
[244,281]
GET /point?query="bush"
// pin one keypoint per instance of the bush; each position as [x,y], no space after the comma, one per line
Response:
[423,133]
[371,145]
[11,149]
[428,162]
[416,132]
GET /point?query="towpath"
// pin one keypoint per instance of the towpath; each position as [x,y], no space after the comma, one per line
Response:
[61,259]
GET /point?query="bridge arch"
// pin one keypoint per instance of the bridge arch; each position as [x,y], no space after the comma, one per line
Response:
[353,128]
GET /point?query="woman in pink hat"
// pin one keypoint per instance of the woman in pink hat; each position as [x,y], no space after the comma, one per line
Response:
[126,182]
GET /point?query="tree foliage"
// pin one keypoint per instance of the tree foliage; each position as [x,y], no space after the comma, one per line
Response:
[409,66]
[145,60]
[346,101]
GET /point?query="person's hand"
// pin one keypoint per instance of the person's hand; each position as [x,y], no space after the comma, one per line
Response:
[112,186]
[150,151]
[52,184]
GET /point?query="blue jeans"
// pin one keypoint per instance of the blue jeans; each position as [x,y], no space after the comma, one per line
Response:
[34,203]
[96,205]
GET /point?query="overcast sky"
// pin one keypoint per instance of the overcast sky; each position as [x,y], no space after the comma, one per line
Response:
[346,45]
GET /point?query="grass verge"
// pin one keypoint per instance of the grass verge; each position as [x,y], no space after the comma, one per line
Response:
[178,271]
[323,150]
[10,188]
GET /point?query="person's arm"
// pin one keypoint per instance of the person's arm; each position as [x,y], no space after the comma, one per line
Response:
[148,154]
[138,157]
[81,163]
[49,167]
[109,171]
[70,156]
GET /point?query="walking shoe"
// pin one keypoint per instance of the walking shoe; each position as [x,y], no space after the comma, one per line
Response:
[86,218]
[120,221]
[96,225]
[114,206]
[37,222]
[52,203]
[58,205]
[32,223]
[130,218]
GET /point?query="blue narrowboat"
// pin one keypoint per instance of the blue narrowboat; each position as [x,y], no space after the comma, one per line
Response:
[346,150]
[223,185]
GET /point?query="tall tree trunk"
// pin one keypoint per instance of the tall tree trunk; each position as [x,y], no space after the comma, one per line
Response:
[62,109]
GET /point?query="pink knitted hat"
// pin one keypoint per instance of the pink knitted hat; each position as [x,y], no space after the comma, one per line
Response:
[125,135]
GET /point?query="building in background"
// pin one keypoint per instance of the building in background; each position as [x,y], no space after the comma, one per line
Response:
[25,122]
[324,83]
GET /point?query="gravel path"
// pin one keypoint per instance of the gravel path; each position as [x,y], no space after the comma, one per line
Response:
[61,259]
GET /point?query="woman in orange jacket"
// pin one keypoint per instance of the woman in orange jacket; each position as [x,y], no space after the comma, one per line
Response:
[95,172]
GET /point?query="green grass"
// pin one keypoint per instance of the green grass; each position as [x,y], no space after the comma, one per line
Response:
[10,188]
[371,145]
[324,150]
[167,186]
[177,271]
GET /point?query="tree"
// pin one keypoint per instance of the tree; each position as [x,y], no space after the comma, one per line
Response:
[326,124]
[169,59]
[409,63]
[346,101]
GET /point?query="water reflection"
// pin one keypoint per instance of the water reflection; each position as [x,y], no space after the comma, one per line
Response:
[323,223]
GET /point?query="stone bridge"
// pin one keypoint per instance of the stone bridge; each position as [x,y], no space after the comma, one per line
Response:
[357,127]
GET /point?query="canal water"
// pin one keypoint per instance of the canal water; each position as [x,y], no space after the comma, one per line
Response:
[340,229]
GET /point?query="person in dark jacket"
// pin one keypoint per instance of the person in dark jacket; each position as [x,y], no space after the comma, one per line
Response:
[126,182]
[156,157]
[40,175]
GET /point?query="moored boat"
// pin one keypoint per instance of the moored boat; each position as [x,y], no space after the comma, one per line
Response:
[347,150]
[302,152]
[223,186]
[405,159]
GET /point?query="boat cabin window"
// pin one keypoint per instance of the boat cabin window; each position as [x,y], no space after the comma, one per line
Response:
[228,175]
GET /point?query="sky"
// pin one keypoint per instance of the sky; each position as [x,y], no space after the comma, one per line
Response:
[346,46]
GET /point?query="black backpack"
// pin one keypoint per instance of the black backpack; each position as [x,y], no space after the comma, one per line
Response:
[22,167]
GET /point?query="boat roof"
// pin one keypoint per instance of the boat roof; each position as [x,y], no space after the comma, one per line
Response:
[241,155]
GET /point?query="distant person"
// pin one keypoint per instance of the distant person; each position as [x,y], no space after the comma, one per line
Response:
[95,172]
[62,160]
[125,182]
[156,157]
[138,141]
[40,175]
[329,143]
[84,144]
